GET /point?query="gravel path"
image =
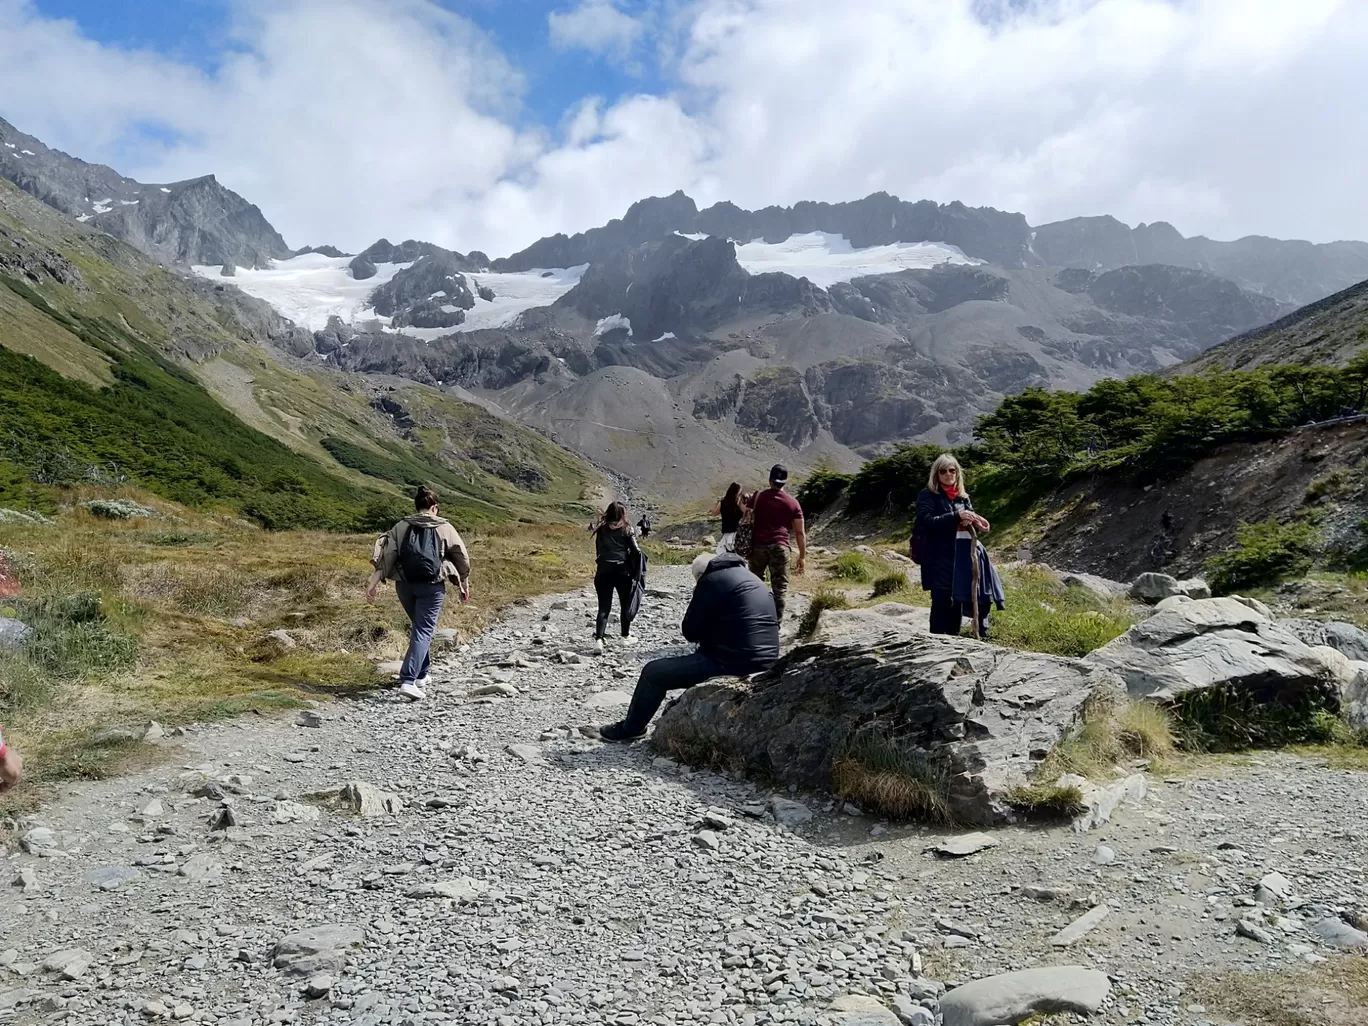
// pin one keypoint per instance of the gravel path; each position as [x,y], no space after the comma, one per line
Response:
[567,881]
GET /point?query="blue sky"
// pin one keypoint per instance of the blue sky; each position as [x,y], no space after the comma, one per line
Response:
[197,31]
[345,120]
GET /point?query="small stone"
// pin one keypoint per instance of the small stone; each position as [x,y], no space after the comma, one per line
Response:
[966,844]
[309,718]
[318,986]
[27,880]
[525,753]
[1274,889]
[495,690]
[790,813]
[707,840]
[603,700]
[69,963]
[1080,927]
[38,840]
[463,889]
[367,801]
[717,819]
[152,809]
[1252,930]
[111,878]
[1339,934]
[314,950]
[1103,856]
[153,731]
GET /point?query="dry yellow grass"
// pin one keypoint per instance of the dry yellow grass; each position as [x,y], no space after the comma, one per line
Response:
[1334,993]
[196,596]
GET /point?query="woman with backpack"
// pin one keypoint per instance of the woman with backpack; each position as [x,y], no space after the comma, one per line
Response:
[944,517]
[618,560]
[420,554]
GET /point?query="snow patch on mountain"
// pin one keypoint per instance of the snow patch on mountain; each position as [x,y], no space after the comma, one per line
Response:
[311,288]
[825,259]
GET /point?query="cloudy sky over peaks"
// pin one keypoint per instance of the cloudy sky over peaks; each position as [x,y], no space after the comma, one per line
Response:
[485,124]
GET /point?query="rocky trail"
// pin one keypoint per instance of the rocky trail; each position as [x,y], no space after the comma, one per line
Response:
[478,858]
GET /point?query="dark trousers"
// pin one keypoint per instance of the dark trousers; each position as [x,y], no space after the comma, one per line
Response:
[660,676]
[946,613]
[609,578]
[773,558]
[423,604]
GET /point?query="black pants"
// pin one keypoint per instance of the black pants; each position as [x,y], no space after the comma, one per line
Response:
[609,578]
[661,676]
[946,613]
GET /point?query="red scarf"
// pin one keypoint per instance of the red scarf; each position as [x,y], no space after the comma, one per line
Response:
[951,493]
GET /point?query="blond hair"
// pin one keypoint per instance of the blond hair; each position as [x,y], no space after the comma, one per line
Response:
[943,461]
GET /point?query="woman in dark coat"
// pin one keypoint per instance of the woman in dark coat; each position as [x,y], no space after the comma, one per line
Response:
[616,547]
[944,512]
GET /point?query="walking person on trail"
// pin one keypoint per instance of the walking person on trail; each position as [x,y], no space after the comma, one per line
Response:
[11,766]
[420,554]
[944,517]
[777,517]
[729,508]
[732,621]
[620,564]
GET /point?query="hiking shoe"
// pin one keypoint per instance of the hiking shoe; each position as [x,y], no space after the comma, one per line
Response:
[598,646]
[618,732]
[412,692]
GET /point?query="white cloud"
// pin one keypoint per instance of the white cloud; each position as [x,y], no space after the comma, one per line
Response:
[345,120]
[594,25]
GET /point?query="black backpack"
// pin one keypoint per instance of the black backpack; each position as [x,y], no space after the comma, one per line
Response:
[420,555]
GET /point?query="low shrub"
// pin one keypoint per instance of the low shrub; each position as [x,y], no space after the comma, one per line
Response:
[1264,554]
[1046,801]
[890,584]
[1226,720]
[822,601]
[70,638]
[852,566]
[821,490]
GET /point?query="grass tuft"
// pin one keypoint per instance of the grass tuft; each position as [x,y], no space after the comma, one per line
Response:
[822,601]
[1046,801]
[1229,720]
[879,775]
[890,584]
[852,566]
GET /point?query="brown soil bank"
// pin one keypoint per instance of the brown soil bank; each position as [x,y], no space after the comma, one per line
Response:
[1118,529]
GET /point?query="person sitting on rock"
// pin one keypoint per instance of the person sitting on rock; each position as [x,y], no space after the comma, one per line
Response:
[11,766]
[730,618]
[420,554]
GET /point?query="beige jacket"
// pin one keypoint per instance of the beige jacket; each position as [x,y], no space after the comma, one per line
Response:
[455,559]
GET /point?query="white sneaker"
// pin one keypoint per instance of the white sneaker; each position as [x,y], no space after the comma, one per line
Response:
[629,639]
[412,692]
[424,681]
[598,646]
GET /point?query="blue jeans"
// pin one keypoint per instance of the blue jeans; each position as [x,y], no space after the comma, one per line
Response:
[423,604]
[660,676]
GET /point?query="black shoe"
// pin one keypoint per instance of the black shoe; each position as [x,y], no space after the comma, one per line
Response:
[618,732]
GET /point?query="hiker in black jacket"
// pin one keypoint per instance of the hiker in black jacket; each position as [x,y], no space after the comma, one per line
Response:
[617,563]
[730,618]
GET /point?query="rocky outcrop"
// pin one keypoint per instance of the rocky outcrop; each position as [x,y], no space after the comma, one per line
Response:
[1155,587]
[878,219]
[1198,644]
[362,268]
[327,251]
[976,717]
[1345,638]
[433,293]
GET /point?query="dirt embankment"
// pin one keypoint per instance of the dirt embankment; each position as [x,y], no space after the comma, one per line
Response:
[1119,530]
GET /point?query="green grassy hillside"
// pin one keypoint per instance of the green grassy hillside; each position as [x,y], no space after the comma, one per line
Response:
[115,372]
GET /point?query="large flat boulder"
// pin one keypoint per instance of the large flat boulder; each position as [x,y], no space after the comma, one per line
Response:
[1348,640]
[1203,643]
[1013,997]
[977,717]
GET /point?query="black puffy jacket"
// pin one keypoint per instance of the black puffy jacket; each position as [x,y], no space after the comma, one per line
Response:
[731,617]
[936,524]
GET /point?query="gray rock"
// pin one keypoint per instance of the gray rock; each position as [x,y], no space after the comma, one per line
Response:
[859,1010]
[283,638]
[1080,927]
[602,701]
[1339,934]
[977,716]
[38,840]
[498,689]
[1103,855]
[362,269]
[1350,641]
[69,963]
[707,840]
[111,878]
[308,718]
[1099,586]
[1012,997]
[1253,931]
[1100,801]
[27,881]
[910,1013]
[294,812]
[12,632]
[1154,587]
[366,800]
[966,844]
[201,868]
[319,985]
[790,813]
[1275,889]
[1215,643]
[317,949]
[525,753]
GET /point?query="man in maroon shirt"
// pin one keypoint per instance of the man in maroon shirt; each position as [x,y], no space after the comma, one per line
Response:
[777,514]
